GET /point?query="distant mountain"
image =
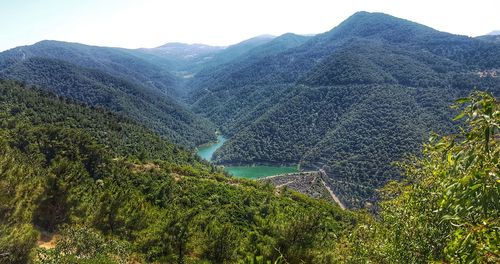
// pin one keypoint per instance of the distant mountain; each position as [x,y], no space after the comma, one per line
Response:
[146,104]
[183,50]
[281,43]
[351,100]
[494,33]
[228,74]
[138,67]
[184,56]
[236,50]
[189,59]
[493,37]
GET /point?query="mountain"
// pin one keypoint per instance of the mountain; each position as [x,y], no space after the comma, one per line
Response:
[283,42]
[215,76]
[84,184]
[183,51]
[142,103]
[494,38]
[494,33]
[236,50]
[351,100]
[135,66]
[189,59]
[90,171]
[183,57]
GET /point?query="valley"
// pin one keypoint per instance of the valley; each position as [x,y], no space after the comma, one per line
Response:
[376,141]
[351,100]
[207,151]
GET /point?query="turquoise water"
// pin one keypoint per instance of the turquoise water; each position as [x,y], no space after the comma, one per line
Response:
[255,172]
[207,152]
[250,172]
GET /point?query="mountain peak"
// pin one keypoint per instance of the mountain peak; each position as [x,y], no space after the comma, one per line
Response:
[258,39]
[185,45]
[380,26]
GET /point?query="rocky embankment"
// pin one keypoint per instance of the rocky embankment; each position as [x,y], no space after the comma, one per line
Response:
[310,183]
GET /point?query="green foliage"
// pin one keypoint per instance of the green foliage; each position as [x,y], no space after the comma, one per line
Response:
[16,243]
[472,183]
[84,245]
[152,72]
[351,100]
[447,208]
[66,169]
[66,76]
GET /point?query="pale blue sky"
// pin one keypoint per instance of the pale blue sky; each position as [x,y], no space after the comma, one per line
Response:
[150,23]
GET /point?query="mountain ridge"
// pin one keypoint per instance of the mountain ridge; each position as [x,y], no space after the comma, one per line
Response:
[254,91]
[281,106]
[93,86]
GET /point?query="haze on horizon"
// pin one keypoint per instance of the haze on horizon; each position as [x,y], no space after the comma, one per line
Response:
[151,23]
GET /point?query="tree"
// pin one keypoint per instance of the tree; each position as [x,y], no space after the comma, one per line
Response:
[448,206]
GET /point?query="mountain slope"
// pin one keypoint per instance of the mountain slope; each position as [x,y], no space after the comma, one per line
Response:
[189,59]
[318,103]
[372,30]
[490,38]
[184,58]
[255,66]
[106,190]
[25,107]
[143,104]
[128,64]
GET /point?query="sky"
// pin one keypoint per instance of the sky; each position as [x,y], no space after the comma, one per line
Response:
[151,23]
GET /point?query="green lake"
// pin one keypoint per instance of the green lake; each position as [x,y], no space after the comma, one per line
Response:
[255,172]
[206,152]
[250,172]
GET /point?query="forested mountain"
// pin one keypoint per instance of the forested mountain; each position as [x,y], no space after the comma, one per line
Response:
[182,51]
[144,103]
[353,99]
[84,185]
[490,38]
[135,66]
[184,58]
[106,190]
[97,165]
[234,51]
[188,59]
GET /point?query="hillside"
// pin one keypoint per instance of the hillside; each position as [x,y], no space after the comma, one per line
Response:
[390,129]
[84,185]
[490,38]
[189,59]
[146,105]
[184,58]
[105,190]
[351,100]
[137,67]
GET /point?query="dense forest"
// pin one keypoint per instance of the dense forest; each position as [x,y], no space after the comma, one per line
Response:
[142,199]
[98,145]
[335,101]
[354,140]
[352,100]
[111,191]
[147,105]
[150,71]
